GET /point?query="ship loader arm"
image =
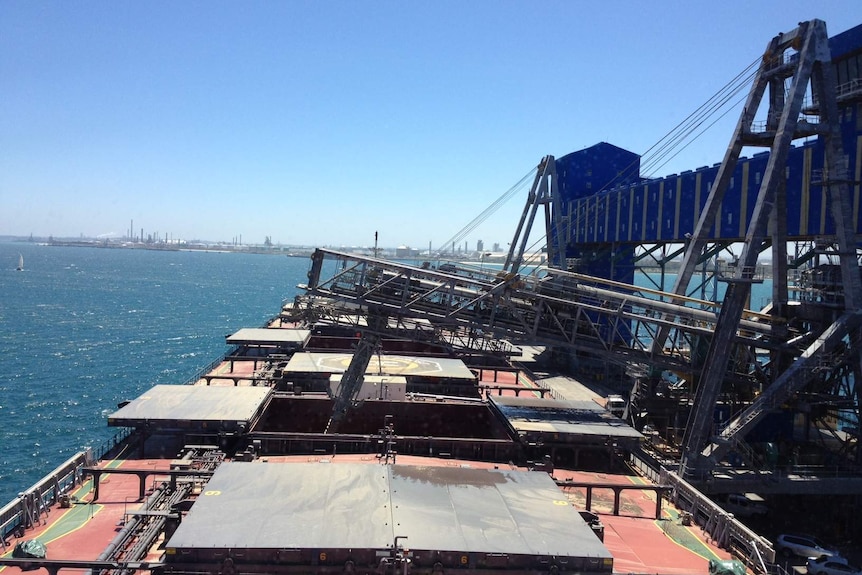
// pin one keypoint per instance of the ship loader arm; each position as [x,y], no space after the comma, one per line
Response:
[354,375]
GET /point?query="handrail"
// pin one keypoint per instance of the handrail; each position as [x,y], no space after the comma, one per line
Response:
[209,367]
[722,526]
[848,89]
[18,514]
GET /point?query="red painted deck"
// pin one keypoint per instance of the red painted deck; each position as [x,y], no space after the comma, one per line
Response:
[83,531]
[637,541]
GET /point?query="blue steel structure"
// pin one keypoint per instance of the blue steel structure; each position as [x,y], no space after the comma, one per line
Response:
[610,209]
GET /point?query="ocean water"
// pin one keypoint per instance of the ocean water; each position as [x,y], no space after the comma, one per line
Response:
[82,329]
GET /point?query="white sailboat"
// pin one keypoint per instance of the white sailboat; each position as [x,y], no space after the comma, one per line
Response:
[20,267]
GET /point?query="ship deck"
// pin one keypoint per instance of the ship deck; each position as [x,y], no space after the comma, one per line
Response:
[638,542]
[637,539]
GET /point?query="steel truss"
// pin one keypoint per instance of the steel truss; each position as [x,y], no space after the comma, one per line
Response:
[475,311]
[802,59]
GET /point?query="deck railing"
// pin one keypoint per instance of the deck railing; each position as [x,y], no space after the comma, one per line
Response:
[26,511]
[746,545]
[209,367]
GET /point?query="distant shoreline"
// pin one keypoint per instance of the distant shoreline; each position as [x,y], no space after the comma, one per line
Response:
[764,269]
[161,247]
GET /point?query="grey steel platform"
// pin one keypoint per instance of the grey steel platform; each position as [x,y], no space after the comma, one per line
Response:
[269,337]
[565,420]
[408,366]
[326,514]
[185,407]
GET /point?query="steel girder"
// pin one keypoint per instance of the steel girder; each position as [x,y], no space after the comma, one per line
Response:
[477,309]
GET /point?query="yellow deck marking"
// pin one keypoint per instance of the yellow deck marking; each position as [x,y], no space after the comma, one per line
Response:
[705,551]
[76,518]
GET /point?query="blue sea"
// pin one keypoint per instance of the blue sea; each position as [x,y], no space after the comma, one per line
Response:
[82,329]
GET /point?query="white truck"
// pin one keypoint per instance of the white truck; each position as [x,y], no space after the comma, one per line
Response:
[616,405]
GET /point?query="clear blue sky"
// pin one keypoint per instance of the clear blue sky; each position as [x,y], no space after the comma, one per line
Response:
[321,122]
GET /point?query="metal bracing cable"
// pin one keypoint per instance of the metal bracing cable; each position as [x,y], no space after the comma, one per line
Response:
[654,158]
[667,158]
[687,127]
[490,210]
[653,164]
[686,132]
[682,131]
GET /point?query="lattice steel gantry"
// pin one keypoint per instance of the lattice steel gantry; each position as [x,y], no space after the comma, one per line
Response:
[810,65]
